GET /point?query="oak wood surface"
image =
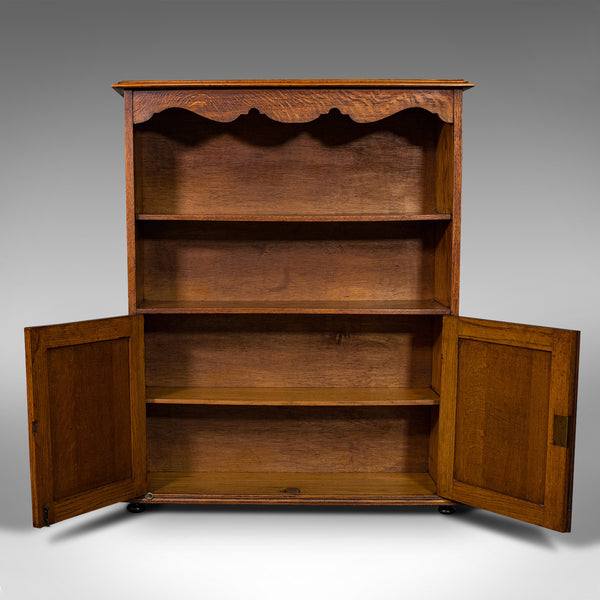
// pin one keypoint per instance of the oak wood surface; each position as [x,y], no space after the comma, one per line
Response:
[288,261]
[454,281]
[257,166]
[292,83]
[134,274]
[325,218]
[314,488]
[291,396]
[292,307]
[293,105]
[288,438]
[288,351]
[502,384]
[499,415]
[86,414]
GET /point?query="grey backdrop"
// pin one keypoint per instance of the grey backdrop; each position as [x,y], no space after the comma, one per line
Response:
[530,254]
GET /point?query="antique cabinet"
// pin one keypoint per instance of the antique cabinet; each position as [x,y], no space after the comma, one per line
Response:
[293,333]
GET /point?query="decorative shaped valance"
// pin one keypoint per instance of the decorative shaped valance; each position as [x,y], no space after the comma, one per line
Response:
[293,105]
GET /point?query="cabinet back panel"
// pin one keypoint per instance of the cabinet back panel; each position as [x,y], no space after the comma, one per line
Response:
[276,439]
[288,351]
[288,261]
[253,165]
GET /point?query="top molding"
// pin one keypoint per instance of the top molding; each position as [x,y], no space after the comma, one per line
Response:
[292,83]
[294,100]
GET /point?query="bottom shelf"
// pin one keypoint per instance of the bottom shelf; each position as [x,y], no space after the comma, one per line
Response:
[292,396]
[294,488]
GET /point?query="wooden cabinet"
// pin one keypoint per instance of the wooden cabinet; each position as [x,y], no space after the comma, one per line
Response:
[293,338]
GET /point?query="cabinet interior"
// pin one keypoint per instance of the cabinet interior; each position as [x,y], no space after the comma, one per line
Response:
[293,278]
[254,166]
[296,394]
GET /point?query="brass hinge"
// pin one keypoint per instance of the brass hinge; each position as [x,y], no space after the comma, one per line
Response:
[562,431]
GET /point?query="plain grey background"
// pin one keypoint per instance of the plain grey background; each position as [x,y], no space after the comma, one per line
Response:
[530,250]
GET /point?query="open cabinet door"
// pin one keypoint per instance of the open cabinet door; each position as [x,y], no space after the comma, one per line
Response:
[507,419]
[86,405]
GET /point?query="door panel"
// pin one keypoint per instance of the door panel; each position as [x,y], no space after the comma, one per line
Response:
[501,444]
[87,415]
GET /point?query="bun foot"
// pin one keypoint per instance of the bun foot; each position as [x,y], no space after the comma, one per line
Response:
[447,510]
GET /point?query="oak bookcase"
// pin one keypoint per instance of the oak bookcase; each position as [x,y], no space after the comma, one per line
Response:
[293,338]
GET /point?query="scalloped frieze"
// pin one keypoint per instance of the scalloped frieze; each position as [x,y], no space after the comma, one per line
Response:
[293,105]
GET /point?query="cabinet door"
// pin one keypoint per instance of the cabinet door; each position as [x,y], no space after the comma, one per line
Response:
[86,405]
[507,419]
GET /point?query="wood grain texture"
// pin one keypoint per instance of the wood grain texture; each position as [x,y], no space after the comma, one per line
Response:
[311,262]
[288,439]
[436,385]
[443,266]
[500,415]
[134,281]
[385,489]
[87,384]
[456,207]
[292,83]
[444,180]
[300,218]
[434,437]
[86,411]
[294,307]
[502,384]
[292,396]
[293,106]
[288,351]
[256,166]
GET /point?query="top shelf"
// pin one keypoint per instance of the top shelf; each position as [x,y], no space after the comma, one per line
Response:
[292,83]
[324,218]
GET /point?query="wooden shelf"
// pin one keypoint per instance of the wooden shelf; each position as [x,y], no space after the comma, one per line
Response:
[291,83]
[314,488]
[280,396]
[324,218]
[392,307]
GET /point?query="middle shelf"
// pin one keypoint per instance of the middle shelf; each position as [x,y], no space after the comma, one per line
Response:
[348,307]
[324,217]
[292,396]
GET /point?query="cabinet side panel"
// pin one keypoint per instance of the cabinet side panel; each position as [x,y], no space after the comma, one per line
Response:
[456,210]
[436,384]
[447,192]
[133,273]
[444,200]
[443,263]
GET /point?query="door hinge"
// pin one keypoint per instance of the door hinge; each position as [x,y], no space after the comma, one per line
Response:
[561,435]
[46,519]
